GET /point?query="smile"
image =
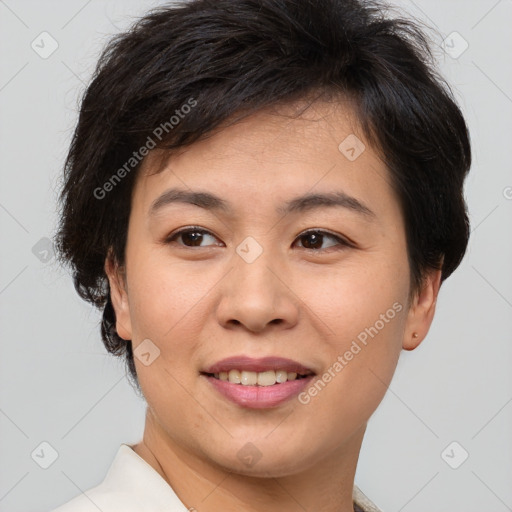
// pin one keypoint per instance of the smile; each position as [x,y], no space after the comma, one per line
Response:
[248,378]
[257,396]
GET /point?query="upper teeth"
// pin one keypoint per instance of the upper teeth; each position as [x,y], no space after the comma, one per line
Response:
[246,378]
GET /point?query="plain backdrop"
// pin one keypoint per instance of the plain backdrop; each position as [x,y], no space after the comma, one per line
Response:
[450,399]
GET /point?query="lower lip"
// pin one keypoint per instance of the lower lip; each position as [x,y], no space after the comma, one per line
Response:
[259,397]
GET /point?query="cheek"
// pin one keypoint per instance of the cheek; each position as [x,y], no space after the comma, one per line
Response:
[167,306]
[360,367]
[162,290]
[348,300]
[362,313]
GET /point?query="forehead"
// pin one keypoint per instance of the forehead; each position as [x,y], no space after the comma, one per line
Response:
[290,128]
[277,152]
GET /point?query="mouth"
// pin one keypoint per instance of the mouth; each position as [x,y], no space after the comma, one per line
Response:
[257,383]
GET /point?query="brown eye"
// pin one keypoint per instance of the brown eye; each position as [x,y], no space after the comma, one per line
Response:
[191,237]
[314,240]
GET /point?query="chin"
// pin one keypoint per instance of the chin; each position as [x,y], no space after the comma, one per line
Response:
[265,459]
[271,468]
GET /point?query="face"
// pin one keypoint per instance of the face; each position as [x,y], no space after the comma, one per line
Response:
[257,272]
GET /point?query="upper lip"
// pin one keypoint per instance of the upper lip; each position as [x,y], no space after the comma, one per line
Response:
[261,364]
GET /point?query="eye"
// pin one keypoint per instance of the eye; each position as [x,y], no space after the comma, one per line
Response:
[314,239]
[191,237]
[311,240]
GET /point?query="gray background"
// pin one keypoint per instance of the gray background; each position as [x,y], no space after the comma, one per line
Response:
[59,386]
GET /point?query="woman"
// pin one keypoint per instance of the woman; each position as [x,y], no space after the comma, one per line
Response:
[263,197]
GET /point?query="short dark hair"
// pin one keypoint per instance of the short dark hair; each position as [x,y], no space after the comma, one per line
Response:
[227,59]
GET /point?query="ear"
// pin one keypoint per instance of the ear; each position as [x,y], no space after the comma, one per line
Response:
[118,295]
[421,311]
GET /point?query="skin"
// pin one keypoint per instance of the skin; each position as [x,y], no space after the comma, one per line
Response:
[201,303]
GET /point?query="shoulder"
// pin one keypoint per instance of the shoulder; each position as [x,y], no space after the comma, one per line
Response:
[362,503]
[96,499]
[131,485]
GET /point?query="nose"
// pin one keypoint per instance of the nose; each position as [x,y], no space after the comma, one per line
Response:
[257,295]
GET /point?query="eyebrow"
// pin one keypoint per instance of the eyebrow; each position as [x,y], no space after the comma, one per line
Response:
[303,203]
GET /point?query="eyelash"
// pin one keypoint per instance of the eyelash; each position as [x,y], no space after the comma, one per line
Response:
[342,243]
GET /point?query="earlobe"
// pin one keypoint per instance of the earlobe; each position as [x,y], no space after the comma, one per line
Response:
[421,312]
[119,297]
[412,342]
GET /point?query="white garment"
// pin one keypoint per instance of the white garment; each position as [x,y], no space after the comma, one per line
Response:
[133,485]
